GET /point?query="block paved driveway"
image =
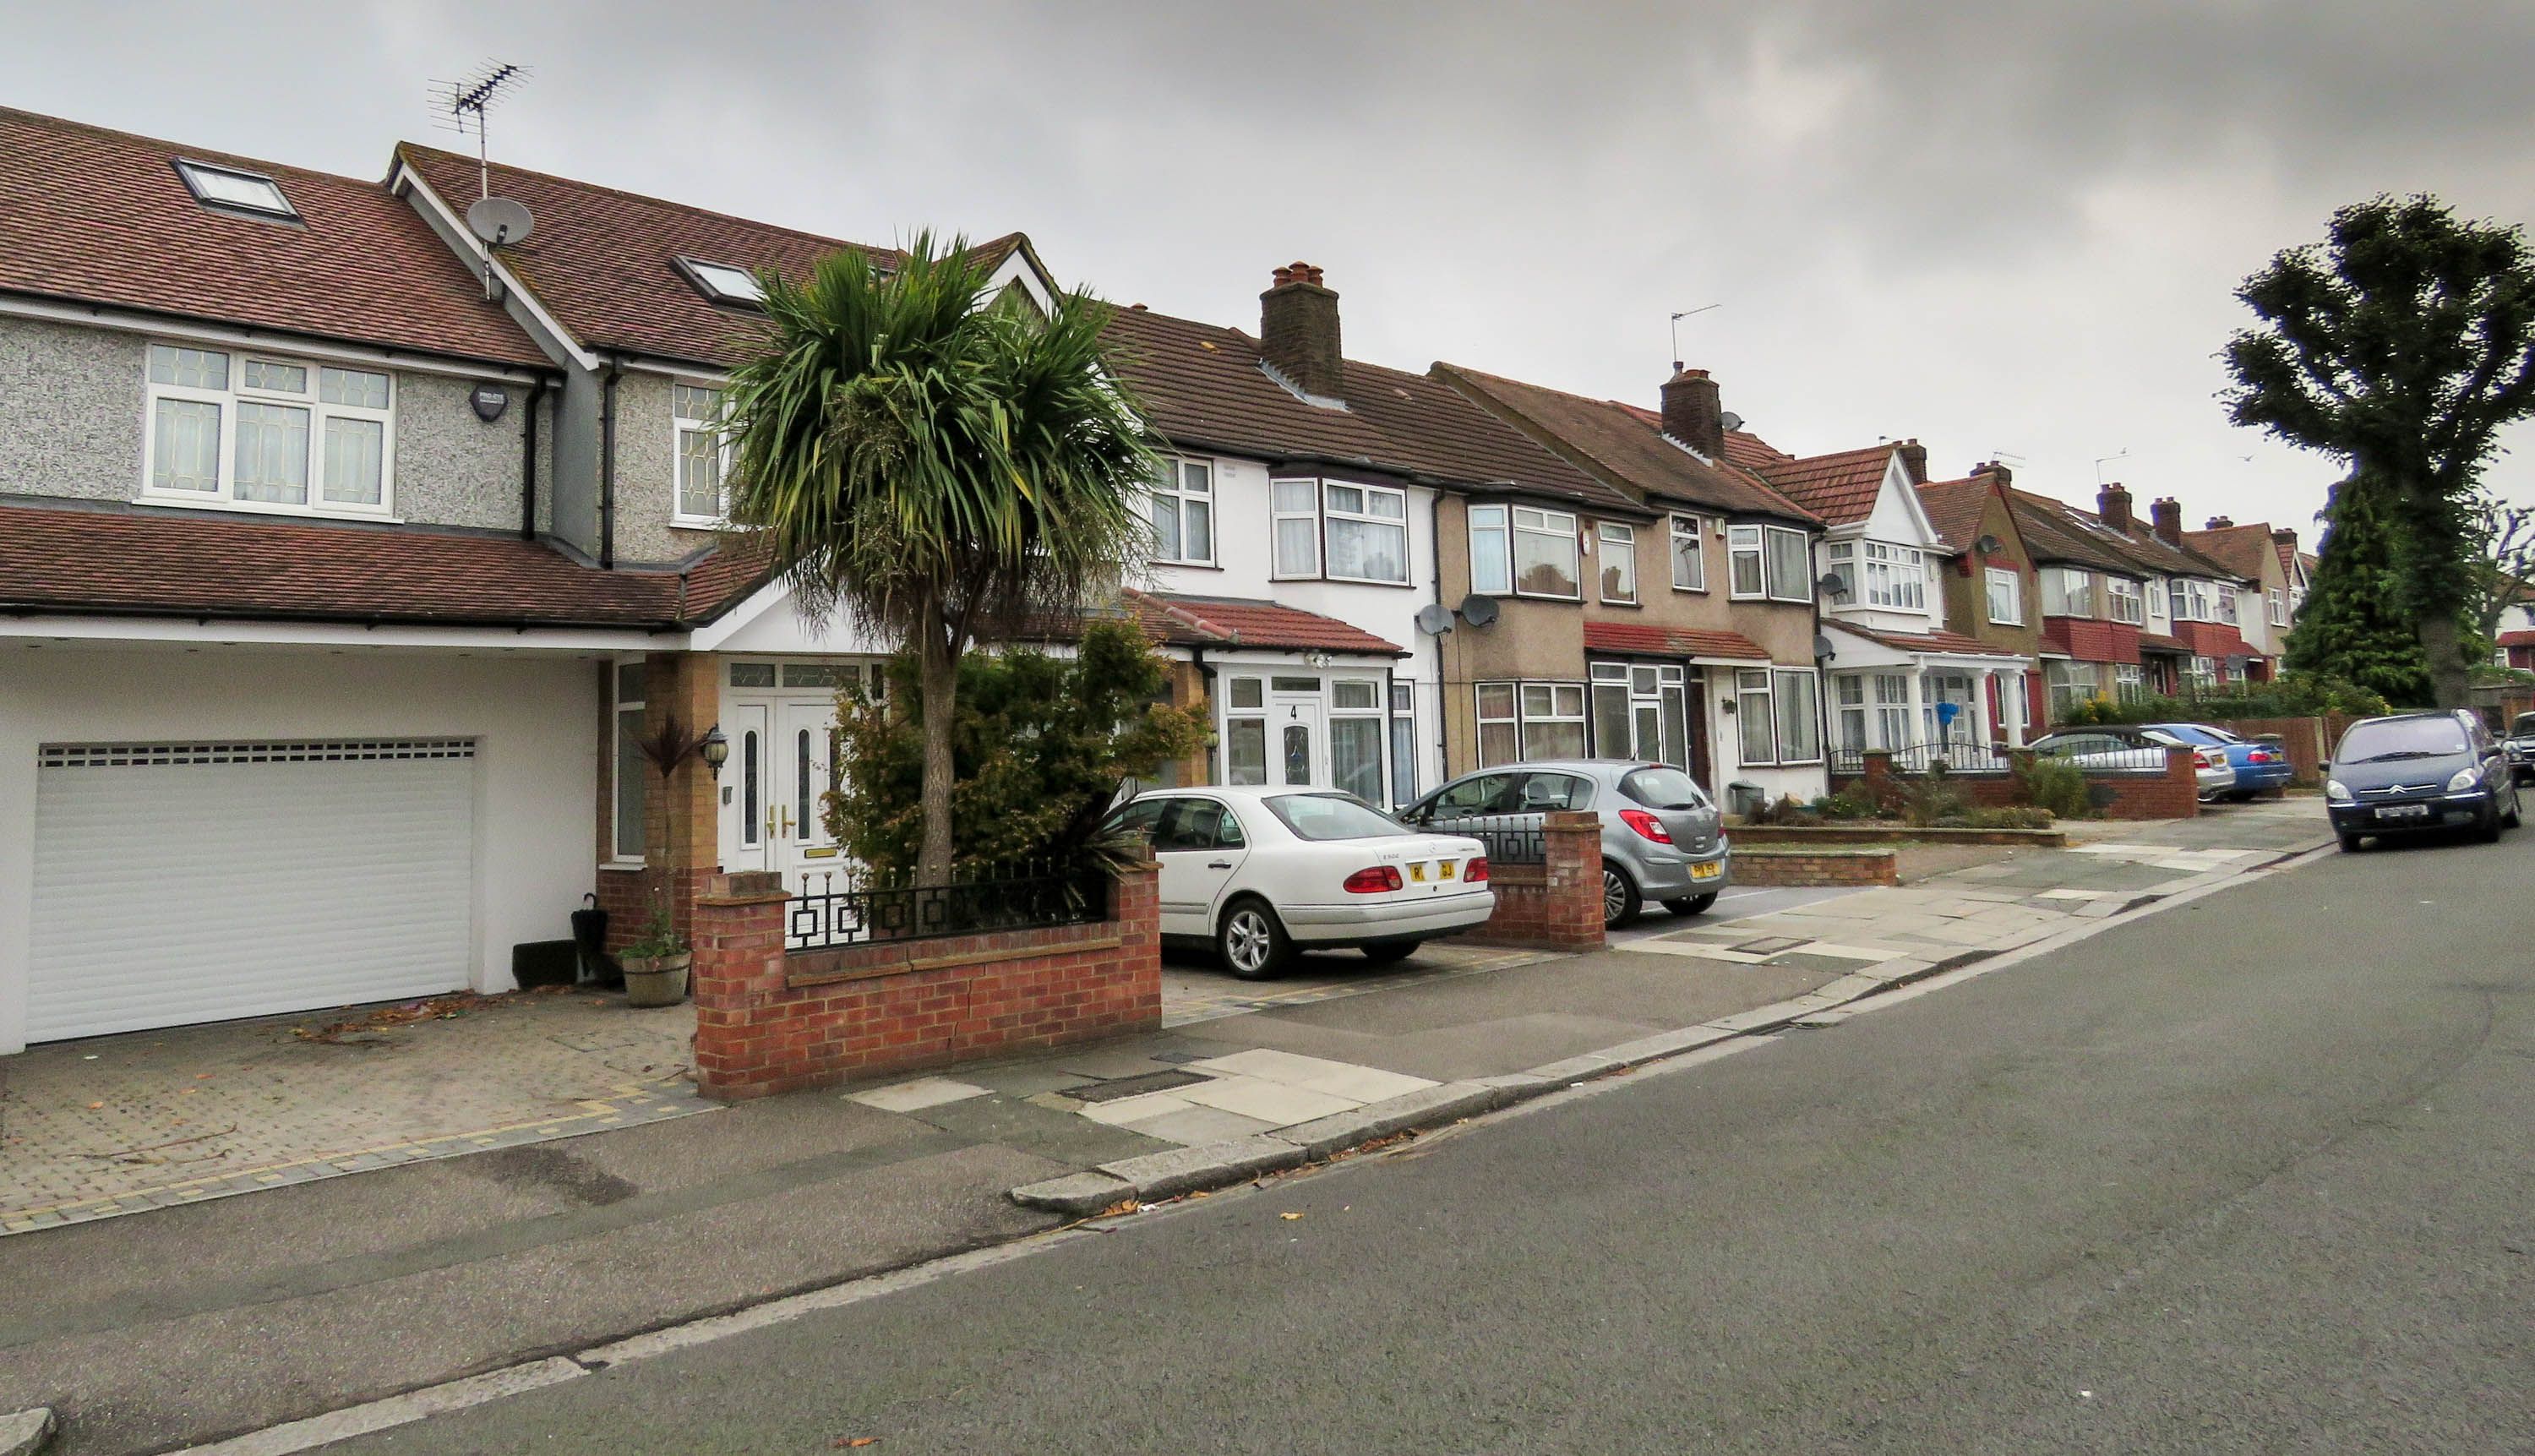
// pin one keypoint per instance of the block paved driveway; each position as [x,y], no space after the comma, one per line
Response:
[119,1124]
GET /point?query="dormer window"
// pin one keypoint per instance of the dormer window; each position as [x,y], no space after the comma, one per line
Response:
[722,283]
[231,190]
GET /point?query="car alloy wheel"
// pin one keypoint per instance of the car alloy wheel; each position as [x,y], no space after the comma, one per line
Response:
[1619,897]
[1252,942]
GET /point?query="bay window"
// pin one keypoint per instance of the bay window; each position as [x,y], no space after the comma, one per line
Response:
[2197,593]
[1403,742]
[1343,532]
[2069,684]
[2227,605]
[1293,508]
[2156,599]
[1745,575]
[2124,594]
[1500,725]
[1848,690]
[1895,576]
[2068,591]
[1553,720]
[1779,712]
[2130,684]
[703,455]
[1491,551]
[1544,554]
[1619,561]
[1893,710]
[1183,509]
[1689,554]
[269,434]
[1791,564]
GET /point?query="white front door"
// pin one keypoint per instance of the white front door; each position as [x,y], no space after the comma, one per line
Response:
[747,792]
[805,747]
[1297,743]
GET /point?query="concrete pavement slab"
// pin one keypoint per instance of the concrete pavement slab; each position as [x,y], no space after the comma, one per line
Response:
[910,1097]
[1275,1103]
[1159,1175]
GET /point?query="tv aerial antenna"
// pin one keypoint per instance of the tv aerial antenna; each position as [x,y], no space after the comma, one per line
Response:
[2102,461]
[460,106]
[1676,328]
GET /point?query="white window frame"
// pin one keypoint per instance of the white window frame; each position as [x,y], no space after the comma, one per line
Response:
[1609,536]
[2228,610]
[1366,517]
[2014,581]
[618,707]
[1742,541]
[1689,528]
[1403,742]
[1368,708]
[237,392]
[1755,686]
[1541,522]
[1278,568]
[1802,685]
[2076,592]
[684,423]
[2130,683]
[1175,488]
[2153,595]
[1236,711]
[2197,591]
[197,174]
[1896,577]
[1510,719]
[1800,590]
[2122,598]
[1557,714]
[1491,530]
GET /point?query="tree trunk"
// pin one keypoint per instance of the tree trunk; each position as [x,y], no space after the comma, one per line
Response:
[2448,675]
[938,669]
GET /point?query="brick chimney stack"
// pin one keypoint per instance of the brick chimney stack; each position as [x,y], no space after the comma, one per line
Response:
[1298,331]
[2113,503]
[2284,536]
[2222,522]
[1996,470]
[2168,515]
[1914,459]
[1692,413]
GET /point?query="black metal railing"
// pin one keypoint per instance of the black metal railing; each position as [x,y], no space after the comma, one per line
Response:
[853,906]
[1512,839]
[1954,757]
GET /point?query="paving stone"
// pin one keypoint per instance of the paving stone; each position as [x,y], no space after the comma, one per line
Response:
[918,1095]
[1666,1043]
[1159,1175]
[1200,1126]
[1435,1107]
[1077,1194]
[1273,1103]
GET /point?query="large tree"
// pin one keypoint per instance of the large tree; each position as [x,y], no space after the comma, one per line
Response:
[947,466]
[2350,626]
[2503,537]
[2401,347]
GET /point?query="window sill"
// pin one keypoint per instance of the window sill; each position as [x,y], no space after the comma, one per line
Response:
[621,866]
[1193,565]
[1628,606]
[379,515]
[1690,590]
[699,523]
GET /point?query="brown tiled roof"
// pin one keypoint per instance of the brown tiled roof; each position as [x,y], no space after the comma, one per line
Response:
[1650,639]
[2053,531]
[2237,549]
[1955,507]
[101,216]
[1230,621]
[1932,642]
[1438,432]
[2140,551]
[1616,442]
[1745,449]
[2159,642]
[1202,386]
[603,261]
[1840,488]
[196,564]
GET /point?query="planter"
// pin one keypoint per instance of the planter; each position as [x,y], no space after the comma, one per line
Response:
[656,981]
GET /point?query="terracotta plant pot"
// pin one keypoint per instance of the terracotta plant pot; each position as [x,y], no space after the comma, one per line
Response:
[656,981]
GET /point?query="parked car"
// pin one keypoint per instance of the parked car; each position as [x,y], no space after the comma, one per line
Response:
[2419,771]
[2257,766]
[2123,746]
[2520,744]
[1259,872]
[1663,838]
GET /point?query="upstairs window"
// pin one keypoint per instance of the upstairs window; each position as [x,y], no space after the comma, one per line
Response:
[1895,576]
[2227,605]
[1184,513]
[2155,594]
[723,283]
[2124,594]
[266,433]
[1545,553]
[2279,608]
[231,189]
[1619,558]
[703,457]
[1689,555]
[2068,591]
[2006,597]
[1772,561]
[1338,532]
[1491,551]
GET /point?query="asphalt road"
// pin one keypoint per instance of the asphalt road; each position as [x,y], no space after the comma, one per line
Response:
[2252,1175]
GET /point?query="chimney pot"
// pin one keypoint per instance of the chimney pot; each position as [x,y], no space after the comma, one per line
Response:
[2222,522]
[2285,537]
[2113,503]
[2167,513]
[1298,331]
[1692,413]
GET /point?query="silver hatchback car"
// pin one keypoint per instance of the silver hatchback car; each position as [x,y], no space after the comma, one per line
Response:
[1662,839]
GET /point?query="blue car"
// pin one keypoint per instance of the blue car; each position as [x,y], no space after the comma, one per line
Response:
[2257,766]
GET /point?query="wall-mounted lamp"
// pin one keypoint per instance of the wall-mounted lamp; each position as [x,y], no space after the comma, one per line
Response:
[672,745]
[714,749]
[1316,660]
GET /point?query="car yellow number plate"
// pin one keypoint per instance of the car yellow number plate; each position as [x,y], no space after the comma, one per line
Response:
[1417,872]
[1705,871]
[1444,870]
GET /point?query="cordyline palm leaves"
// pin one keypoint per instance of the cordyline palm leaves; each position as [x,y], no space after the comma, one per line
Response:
[2403,347]
[950,468]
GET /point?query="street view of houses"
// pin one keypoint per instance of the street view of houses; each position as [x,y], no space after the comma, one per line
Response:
[1659,729]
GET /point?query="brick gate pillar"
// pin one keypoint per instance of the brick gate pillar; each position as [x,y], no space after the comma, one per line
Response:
[1880,788]
[682,809]
[1572,846]
[2183,783]
[738,984]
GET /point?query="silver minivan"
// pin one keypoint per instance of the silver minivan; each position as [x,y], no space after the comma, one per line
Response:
[1662,839]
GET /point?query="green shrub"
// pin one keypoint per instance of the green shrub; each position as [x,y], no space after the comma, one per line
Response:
[1852,802]
[1931,803]
[2011,816]
[2292,695]
[2055,785]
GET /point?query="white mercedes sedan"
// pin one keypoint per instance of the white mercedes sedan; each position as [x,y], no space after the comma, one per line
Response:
[1260,873]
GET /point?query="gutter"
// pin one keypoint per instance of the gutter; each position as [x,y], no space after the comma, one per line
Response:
[607,466]
[529,464]
[655,626]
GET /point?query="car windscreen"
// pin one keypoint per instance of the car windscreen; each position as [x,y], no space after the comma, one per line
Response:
[1329,816]
[1663,789]
[2401,737]
[2188,733]
[2526,724]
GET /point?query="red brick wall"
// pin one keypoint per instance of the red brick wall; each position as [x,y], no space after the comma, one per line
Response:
[768,1022]
[1778,865]
[1556,904]
[2301,736]
[2091,640]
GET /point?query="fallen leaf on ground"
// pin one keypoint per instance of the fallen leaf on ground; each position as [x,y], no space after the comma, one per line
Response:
[1289,1216]
[1122,1206]
[93,1107]
[848,1443]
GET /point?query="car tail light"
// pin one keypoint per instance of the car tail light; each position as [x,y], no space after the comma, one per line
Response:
[2258,756]
[1373,879]
[1476,871]
[1647,825]
[2204,758]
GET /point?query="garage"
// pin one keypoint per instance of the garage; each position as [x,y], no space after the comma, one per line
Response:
[189,882]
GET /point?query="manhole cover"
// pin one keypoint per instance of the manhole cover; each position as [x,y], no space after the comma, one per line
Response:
[1124,1086]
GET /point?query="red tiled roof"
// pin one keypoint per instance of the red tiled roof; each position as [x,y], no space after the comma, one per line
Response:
[1618,443]
[195,564]
[1649,639]
[101,216]
[1748,451]
[1955,507]
[1840,488]
[603,261]
[1954,643]
[2237,549]
[1226,621]
[2159,642]
[2520,638]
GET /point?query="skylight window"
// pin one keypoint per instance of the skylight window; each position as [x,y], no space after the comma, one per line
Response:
[232,190]
[723,283]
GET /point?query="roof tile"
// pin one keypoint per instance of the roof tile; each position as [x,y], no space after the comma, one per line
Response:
[1656,639]
[1230,621]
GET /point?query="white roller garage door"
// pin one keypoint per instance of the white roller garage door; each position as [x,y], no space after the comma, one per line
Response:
[178,883]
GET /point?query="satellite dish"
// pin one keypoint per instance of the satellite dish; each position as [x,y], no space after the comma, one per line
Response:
[1823,647]
[1478,610]
[499,222]
[1833,583]
[1730,420]
[1989,545]
[1434,619]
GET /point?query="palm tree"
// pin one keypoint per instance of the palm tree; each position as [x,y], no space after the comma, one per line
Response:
[949,467]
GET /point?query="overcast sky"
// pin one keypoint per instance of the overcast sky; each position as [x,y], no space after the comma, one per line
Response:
[1998,227]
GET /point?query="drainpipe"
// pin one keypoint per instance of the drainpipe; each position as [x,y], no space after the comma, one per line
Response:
[607,466]
[528,465]
[1205,684]
[1434,548]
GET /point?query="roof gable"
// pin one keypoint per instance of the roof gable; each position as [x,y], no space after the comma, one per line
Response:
[2241,549]
[1840,488]
[102,218]
[1955,509]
